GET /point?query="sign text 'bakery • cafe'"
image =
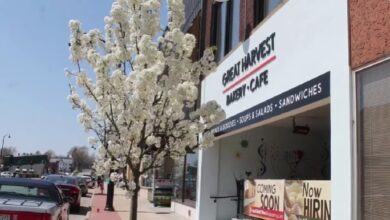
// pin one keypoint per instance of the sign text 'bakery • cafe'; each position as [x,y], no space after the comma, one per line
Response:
[249,74]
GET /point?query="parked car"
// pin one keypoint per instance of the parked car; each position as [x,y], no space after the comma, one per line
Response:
[83,185]
[70,188]
[31,199]
[89,180]
[6,174]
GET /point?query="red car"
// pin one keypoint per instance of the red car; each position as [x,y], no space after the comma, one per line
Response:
[24,199]
[70,188]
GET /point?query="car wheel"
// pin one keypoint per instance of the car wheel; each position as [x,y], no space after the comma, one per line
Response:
[76,208]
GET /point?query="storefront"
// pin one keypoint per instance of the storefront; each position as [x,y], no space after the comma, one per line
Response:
[287,97]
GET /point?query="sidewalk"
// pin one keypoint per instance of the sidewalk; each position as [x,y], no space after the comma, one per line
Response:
[146,211]
[97,207]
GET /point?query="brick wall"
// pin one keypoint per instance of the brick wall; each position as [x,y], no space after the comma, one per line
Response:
[195,30]
[246,18]
[207,13]
[369,31]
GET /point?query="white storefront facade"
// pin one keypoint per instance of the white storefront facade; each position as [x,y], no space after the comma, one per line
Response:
[286,92]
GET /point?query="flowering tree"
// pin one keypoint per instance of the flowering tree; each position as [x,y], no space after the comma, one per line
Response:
[143,82]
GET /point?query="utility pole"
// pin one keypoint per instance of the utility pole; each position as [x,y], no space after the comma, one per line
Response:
[2,146]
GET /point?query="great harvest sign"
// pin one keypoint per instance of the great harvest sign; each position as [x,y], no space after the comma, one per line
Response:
[249,74]
[285,52]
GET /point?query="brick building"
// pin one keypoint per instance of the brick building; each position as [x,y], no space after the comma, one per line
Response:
[304,86]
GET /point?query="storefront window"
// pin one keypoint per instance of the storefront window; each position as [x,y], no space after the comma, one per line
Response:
[373,115]
[186,193]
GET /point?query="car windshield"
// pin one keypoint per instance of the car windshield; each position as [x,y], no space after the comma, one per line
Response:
[61,179]
[25,191]
[81,180]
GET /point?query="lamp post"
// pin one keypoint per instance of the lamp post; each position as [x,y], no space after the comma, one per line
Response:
[1,152]
[2,145]
[110,194]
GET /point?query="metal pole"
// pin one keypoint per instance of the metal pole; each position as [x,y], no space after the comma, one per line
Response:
[2,146]
[153,183]
[183,187]
[110,195]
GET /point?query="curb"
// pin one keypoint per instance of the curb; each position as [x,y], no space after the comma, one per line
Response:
[88,215]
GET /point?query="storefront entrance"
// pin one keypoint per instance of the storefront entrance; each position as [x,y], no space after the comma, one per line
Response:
[296,147]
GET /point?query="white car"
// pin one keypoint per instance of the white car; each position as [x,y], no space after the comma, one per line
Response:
[6,174]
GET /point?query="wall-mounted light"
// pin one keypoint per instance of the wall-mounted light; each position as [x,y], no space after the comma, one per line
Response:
[244,143]
[300,129]
[220,1]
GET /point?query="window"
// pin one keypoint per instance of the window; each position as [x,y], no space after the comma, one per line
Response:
[214,24]
[270,5]
[225,27]
[62,179]
[234,24]
[258,13]
[186,168]
[24,191]
[221,30]
[373,115]
[262,8]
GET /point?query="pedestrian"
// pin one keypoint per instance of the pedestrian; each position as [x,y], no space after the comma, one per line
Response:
[100,184]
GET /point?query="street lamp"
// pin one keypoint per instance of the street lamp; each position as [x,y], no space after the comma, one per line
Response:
[110,194]
[2,145]
[1,152]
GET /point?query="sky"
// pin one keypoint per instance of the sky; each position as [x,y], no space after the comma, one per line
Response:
[34,52]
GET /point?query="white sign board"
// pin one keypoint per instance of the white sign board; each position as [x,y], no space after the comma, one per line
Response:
[295,45]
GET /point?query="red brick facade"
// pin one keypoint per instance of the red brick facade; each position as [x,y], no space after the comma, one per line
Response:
[369,31]
[207,13]
[246,20]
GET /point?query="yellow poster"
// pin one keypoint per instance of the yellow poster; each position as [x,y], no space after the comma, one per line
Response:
[307,200]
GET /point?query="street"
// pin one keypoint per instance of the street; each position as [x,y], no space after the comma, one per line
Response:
[85,208]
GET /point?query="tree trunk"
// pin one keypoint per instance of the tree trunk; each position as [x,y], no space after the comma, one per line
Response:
[134,200]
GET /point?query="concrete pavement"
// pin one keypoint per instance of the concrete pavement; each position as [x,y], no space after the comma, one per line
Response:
[97,207]
[85,208]
[146,211]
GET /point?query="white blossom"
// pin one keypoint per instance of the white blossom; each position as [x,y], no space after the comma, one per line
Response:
[114,176]
[74,25]
[137,98]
